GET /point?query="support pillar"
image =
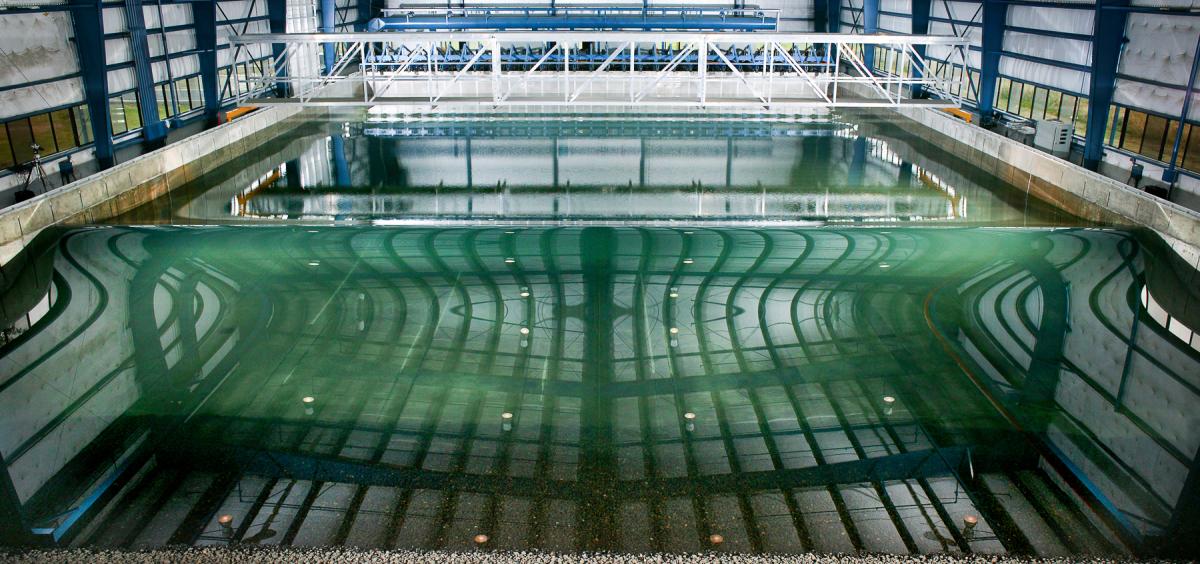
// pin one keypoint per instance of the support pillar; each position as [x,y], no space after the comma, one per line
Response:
[365,11]
[328,25]
[1170,175]
[88,24]
[341,168]
[920,26]
[277,20]
[857,173]
[1109,24]
[833,15]
[1037,401]
[154,130]
[995,13]
[598,469]
[820,16]
[870,26]
[204,17]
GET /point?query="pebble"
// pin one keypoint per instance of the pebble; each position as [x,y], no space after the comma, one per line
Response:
[337,555]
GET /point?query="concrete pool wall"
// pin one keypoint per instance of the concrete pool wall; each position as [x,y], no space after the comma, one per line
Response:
[140,180]
[1066,185]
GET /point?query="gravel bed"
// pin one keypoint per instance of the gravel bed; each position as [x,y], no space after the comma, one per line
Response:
[264,555]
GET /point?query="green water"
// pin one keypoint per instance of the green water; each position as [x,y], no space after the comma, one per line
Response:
[824,170]
[617,385]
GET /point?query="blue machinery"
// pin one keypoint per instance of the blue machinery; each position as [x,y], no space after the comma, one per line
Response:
[682,18]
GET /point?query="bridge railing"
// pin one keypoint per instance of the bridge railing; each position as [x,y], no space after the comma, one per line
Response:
[657,18]
[768,70]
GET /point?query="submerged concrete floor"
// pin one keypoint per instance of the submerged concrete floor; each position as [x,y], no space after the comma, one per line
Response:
[289,555]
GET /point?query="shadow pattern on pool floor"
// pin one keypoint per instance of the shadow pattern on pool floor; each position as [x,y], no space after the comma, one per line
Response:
[600,388]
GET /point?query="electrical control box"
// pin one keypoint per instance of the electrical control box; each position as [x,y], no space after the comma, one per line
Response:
[1054,137]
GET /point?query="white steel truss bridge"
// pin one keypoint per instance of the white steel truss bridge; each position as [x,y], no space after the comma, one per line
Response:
[775,71]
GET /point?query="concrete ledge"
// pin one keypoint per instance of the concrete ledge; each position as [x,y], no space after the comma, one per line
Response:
[1073,188]
[137,181]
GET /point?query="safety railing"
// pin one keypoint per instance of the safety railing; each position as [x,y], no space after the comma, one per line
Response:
[766,70]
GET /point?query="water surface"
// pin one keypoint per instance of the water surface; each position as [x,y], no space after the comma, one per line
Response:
[896,354]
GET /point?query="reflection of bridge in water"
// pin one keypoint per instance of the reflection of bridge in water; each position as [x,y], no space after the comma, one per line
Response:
[604,172]
[202,343]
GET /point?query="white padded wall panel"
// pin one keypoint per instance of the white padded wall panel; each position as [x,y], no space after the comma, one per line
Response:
[1193,4]
[957,11]
[35,47]
[1056,48]
[182,66]
[1051,19]
[114,20]
[894,24]
[246,53]
[172,14]
[31,99]
[116,51]
[896,6]
[951,54]
[121,80]
[183,40]
[794,15]
[1160,49]
[963,15]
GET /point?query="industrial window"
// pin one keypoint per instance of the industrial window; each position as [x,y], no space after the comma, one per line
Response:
[123,113]
[20,134]
[1038,102]
[186,95]
[1153,136]
[54,131]
[162,95]
[248,78]
[190,92]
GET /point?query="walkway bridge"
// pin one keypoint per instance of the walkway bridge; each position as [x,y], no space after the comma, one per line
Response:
[596,68]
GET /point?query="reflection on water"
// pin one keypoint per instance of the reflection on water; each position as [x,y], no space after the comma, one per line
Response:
[825,170]
[616,388]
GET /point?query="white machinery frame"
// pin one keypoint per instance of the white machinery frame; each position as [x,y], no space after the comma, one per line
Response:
[359,78]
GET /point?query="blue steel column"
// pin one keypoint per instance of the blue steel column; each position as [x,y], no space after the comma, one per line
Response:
[365,11]
[277,21]
[88,24]
[328,23]
[870,23]
[856,173]
[1171,174]
[1108,40]
[833,15]
[153,129]
[995,13]
[920,26]
[820,16]
[204,18]
[341,168]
